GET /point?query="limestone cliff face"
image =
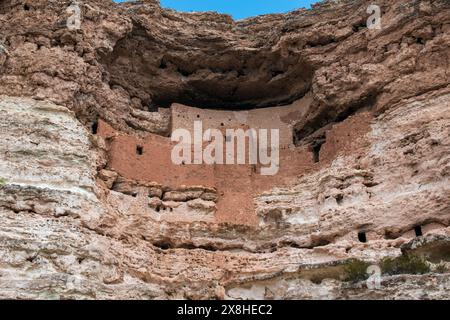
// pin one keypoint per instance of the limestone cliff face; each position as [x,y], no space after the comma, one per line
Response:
[366,175]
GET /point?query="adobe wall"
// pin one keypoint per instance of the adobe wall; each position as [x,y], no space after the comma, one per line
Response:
[236,185]
[280,117]
[154,164]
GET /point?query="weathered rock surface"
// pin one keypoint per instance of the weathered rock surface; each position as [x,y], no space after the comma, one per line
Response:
[72,227]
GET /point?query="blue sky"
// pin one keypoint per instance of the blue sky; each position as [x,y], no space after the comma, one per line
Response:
[239,9]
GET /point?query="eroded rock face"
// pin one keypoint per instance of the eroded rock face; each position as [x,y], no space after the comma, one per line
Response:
[48,163]
[369,169]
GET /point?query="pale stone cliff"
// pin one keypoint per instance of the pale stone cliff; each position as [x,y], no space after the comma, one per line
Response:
[84,214]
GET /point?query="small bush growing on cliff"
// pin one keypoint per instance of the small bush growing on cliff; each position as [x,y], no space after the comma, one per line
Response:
[442,268]
[356,270]
[2,181]
[406,264]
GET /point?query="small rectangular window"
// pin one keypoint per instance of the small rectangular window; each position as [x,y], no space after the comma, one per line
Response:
[418,231]
[362,237]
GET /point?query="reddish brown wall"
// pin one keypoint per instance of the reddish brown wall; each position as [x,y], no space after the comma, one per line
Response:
[281,118]
[236,184]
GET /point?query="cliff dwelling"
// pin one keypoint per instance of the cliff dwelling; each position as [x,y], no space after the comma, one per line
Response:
[234,186]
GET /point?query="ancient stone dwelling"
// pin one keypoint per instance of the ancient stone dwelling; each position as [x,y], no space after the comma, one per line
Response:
[92,206]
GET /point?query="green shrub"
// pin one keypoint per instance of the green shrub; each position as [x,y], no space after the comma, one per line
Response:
[441,268]
[405,264]
[356,270]
[2,181]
